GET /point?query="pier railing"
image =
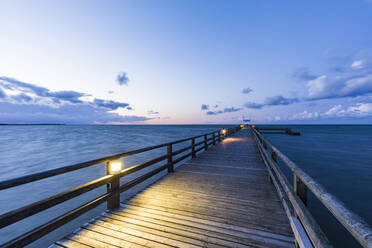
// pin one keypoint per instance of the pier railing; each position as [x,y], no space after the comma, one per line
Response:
[112,180]
[294,198]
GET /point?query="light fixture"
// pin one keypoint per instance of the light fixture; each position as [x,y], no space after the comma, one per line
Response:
[242,126]
[223,131]
[114,167]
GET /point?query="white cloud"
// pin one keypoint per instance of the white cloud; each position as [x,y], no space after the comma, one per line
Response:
[361,108]
[335,110]
[346,85]
[305,115]
[357,64]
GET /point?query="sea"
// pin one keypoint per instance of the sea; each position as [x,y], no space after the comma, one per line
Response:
[337,156]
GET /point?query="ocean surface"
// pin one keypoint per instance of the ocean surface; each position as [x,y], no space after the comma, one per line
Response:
[340,158]
[337,156]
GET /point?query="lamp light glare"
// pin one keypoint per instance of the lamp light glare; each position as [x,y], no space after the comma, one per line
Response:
[241,126]
[223,131]
[115,166]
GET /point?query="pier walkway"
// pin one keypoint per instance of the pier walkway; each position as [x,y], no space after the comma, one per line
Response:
[221,198]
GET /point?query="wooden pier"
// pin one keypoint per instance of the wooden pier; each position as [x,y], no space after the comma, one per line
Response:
[231,193]
[220,199]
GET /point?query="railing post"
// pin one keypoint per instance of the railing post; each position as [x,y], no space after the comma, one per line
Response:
[170,162]
[273,156]
[219,136]
[214,139]
[300,188]
[264,144]
[193,155]
[205,142]
[113,187]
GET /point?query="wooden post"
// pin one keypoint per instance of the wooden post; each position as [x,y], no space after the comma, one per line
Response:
[273,156]
[193,154]
[219,136]
[300,189]
[170,162]
[214,139]
[205,142]
[114,188]
[265,145]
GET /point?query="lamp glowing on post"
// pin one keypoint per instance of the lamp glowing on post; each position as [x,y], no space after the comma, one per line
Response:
[114,167]
[223,131]
[242,126]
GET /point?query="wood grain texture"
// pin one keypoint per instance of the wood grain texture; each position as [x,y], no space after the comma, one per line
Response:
[221,198]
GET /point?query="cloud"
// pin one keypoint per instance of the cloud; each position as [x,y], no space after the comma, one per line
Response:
[280,100]
[21,92]
[214,112]
[272,101]
[337,109]
[66,114]
[246,90]
[325,87]
[122,79]
[253,105]
[152,112]
[2,94]
[27,103]
[358,64]
[110,92]
[361,109]
[304,74]
[215,106]
[225,110]
[232,109]
[305,115]
[109,104]
[350,76]
[23,98]
[69,96]
[204,107]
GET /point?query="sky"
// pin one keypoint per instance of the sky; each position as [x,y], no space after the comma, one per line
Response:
[186,62]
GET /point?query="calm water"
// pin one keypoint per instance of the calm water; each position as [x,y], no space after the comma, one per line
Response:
[339,157]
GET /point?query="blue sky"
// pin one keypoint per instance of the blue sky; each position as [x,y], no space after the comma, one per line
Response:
[185,61]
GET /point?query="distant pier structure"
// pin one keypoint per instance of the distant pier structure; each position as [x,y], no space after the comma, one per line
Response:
[228,192]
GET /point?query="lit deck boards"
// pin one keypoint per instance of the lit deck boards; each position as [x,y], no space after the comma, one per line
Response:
[222,198]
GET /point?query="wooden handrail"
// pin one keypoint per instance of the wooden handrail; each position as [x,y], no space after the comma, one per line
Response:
[112,181]
[355,225]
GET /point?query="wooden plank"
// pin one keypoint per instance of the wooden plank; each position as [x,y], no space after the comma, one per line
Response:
[96,239]
[197,219]
[122,239]
[172,239]
[71,244]
[213,234]
[190,208]
[206,202]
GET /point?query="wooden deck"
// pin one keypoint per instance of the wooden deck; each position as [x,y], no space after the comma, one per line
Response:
[222,198]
